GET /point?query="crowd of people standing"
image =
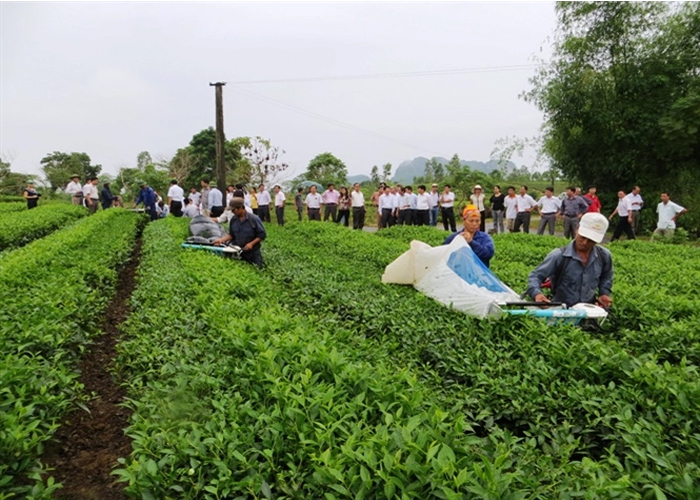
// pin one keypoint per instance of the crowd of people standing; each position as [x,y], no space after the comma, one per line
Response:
[394,205]
[400,205]
[88,196]
[569,208]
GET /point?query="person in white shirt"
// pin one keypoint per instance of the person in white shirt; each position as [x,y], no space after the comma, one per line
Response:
[434,204]
[75,190]
[404,215]
[386,208]
[548,206]
[280,200]
[90,194]
[175,198]
[423,206]
[511,206]
[524,204]
[447,203]
[195,197]
[357,201]
[396,204]
[162,210]
[204,199]
[246,196]
[313,204]
[624,212]
[414,205]
[478,199]
[229,193]
[190,209]
[264,201]
[228,212]
[636,204]
[668,213]
[216,201]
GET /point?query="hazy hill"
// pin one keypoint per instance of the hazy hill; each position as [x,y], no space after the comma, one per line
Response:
[409,169]
[352,179]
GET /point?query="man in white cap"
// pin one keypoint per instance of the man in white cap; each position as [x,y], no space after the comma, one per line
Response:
[579,270]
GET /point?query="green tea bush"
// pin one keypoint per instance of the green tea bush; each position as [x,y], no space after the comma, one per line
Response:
[12,206]
[238,396]
[558,384]
[54,291]
[18,228]
[6,198]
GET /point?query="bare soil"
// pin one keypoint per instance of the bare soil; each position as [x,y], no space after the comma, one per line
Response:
[86,447]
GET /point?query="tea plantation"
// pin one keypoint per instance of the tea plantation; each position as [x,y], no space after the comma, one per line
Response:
[311,379]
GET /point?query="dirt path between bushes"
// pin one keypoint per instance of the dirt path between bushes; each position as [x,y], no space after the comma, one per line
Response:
[86,447]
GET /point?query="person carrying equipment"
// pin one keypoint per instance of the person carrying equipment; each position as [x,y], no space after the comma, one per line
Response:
[148,197]
[246,230]
[578,270]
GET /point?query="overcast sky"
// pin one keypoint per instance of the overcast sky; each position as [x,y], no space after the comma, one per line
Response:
[114,79]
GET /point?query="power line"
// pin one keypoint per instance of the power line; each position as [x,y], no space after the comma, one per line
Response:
[332,121]
[409,74]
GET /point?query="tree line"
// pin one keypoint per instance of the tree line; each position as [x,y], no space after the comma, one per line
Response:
[250,160]
[621,98]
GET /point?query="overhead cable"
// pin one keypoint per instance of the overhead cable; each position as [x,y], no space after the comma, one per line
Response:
[332,121]
[409,74]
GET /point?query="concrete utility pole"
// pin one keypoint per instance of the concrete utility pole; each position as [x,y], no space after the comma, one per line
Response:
[220,139]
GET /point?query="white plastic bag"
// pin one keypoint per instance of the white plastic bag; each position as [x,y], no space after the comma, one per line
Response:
[453,275]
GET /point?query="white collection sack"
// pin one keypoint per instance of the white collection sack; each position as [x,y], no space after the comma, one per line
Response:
[453,275]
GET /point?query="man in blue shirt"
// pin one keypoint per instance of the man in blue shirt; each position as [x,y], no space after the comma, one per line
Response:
[246,230]
[107,197]
[148,197]
[572,209]
[479,241]
[578,270]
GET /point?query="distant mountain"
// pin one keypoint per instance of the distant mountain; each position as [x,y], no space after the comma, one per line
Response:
[410,169]
[352,179]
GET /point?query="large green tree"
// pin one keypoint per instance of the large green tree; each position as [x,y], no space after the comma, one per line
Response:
[198,159]
[58,168]
[621,98]
[326,169]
